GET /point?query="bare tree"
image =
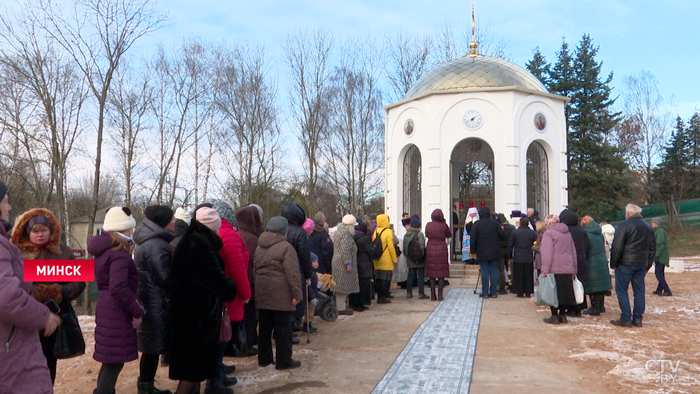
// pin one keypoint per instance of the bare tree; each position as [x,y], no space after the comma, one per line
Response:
[646,122]
[408,59]
[307,55]
[353,149]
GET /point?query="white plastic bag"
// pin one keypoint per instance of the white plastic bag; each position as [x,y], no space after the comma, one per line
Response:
[547,291]
[578,291]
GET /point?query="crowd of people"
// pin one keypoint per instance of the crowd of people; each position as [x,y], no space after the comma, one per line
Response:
[186,289]
[574,250]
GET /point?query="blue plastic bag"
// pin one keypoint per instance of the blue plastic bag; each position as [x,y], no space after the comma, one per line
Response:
[547,291]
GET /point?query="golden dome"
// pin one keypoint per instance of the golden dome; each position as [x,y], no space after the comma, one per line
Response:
[475,72]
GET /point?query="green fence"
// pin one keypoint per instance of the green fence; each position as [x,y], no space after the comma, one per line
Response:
[686,212]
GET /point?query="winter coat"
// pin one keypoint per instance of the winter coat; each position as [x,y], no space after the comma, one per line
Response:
[22,363]
[276,272]
[199,287]
[583,247]
[536,249]
[180,229]
[235,255]
[53,250]
[321,245]
[437,257]
[364,255]
[520,245]
[598,270]
[297,237]
[558,250]
[153,256]
[486,237]
[634,244]
[507,232]
[117,280]
[345,255]
[662,254]
[249,228]
[388,259]
[410,234]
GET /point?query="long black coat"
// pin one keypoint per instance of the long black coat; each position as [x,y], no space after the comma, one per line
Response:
[364,255]
[198,286]
[583,246]
[153,256]
[321,245]
[297,237]
[486,237]
[520,245]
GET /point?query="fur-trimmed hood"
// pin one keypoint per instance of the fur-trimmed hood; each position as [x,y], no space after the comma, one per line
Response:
[20,238]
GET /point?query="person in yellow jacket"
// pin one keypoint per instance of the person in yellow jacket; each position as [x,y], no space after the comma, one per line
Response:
[384,266]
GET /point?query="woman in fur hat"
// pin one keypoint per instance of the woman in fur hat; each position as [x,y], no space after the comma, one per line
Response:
[345,263]
[37,234]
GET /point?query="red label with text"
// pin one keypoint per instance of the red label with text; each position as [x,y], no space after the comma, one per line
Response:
[59,270]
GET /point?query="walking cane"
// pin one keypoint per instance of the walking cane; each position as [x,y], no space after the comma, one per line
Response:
[308,323]
[477,280]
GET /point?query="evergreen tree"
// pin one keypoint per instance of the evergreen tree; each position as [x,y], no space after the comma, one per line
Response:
[562,79]
[596,168]
[673,172]
[538,66]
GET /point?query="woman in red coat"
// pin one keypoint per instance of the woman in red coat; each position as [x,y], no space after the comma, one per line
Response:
[437,257]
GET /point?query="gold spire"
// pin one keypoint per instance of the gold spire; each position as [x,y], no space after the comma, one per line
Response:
[473,45]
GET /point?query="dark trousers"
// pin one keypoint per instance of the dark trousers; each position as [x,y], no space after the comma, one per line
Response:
[502,271]
[416,275]
[251,323]
[659,270]
[219,375]
[47,345]
[281,323]
[107,378]
[148,367]
[523,282]
[489,275]
[624,275]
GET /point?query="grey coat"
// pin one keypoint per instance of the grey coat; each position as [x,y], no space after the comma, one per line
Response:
[345,254]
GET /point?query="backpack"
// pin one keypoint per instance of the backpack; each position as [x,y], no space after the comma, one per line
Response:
[415,252]
[377,247]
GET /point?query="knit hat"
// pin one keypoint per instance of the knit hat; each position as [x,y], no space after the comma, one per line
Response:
[313,257]
[118,219]
[658,221]
[260,210]
[159,214]
[3,190]
[181,214]
[308,226]
[415,223]
[39,219]
[209,217]
[277,224]
[350,220]
[204,205]
[225,211]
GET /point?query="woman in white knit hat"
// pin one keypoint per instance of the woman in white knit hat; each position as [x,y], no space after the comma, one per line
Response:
[344,263]
[118,312]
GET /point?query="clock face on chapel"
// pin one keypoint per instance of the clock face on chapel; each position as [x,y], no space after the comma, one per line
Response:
[472,119]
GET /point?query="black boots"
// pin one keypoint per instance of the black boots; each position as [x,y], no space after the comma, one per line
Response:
[594,310]
[148,388]
[383,287]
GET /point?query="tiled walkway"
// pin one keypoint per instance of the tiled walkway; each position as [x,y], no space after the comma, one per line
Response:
[439,357]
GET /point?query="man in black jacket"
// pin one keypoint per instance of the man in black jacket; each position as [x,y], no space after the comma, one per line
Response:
[320,243]
[503,265]
[485,240]
[297,237]
[520,254]
[631,256]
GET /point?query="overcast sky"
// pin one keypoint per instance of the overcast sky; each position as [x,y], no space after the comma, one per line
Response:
[661,37]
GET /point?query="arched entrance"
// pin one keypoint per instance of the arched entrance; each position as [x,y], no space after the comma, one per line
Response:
[472,177]
[537,179]
[412,201]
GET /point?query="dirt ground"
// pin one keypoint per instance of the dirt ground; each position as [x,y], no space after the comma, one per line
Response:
[516,351]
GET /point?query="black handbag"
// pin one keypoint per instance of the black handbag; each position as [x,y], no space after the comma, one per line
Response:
[69,337]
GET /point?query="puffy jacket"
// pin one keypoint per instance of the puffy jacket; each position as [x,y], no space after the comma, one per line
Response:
[277,277]
[388,259]
[297,236]
[598,271]
[364,255]
[235,257]
[22,363]
[320,243]
[583,246]
[634,244]
[662,253]
[486,237]
[410,234]
[117,280]
[249,228]
[153,256]
[558,250]
[437,256]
